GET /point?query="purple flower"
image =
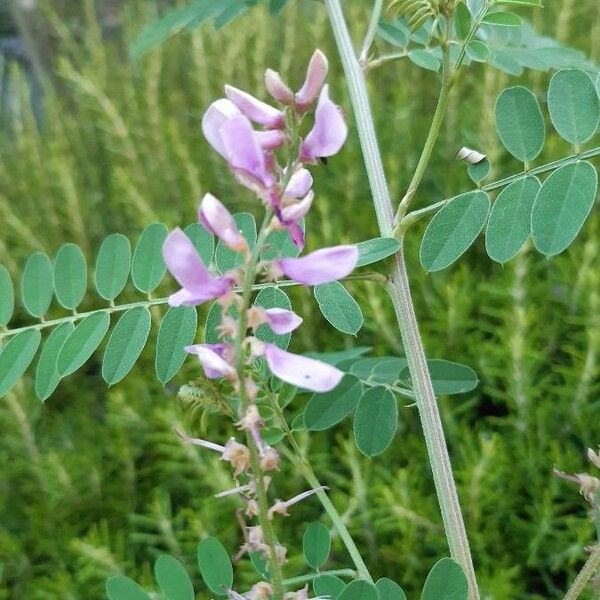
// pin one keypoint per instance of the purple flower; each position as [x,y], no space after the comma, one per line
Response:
[218,113]
[197,283]
[256,110]
[297,210]
[328,133]
[301,371]
[216,219]
[280,320]
[321,266]
[299,185]
[244,154]
[315,78]
[271,139]
[212,359]
[277,88]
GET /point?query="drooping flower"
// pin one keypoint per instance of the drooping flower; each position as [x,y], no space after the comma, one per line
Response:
[212,357]
[256,110]
[216,219]
[315,78]
[299,185]
[329,131]
[320,266]
[197,283]
[301,371]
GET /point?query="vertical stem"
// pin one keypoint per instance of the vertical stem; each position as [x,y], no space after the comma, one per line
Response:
[399,291]
[587,572]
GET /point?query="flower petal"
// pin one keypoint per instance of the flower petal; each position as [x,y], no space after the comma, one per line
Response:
[271,139]
[301,371]
[277,88]
[256,110]
[244,154]
[216,219]
[315,78]
[282,321]
[298,210]
[211,359]
[184,263]
[321,266]
[328,133]
[300,183]
[218,113]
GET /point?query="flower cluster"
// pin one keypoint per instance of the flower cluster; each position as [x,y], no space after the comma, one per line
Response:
[253,137]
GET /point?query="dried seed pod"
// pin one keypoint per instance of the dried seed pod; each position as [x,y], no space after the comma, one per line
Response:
[469,155]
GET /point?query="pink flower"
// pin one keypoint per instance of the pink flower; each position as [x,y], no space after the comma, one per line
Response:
[277,88]
[328,133]
[297,210]
[299,185]
[197,283]
[301,371]
[256,110]
[281,321]
[212,359]
[271,139]
[218,113]
[215,218]
[315,78]
[244,154]
[321,266]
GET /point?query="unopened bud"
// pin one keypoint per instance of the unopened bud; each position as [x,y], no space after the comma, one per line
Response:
[277,87]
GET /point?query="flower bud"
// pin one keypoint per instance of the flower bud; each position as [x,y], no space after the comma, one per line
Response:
[315,78]
[277,88]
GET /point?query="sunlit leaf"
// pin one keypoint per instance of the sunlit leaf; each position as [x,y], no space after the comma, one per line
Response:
[375,421]
[37,284]
[562,206]
[70,276]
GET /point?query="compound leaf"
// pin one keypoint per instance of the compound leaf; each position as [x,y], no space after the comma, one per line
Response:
[148,267]
[112,266]
[70,276]
[37,284]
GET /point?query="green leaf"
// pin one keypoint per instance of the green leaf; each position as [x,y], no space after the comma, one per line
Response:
[37,284]
[203,241]
[326,410]
[453,229]
[316,544]
[123,588]
[510,219]
[112,266]
[448,377]
[335,358]
[278,244]
[527,58]
[16,356]
[47,376]
[272,297]
[479,171]
[574,106]
[177,330]
[215,565]
[392,33]
[359,590]
[213,320]
[375,421]
[389,590]
[424,59]
[82,342]
[148,267]
[462,21]
[562,206]
[260,564]
[339,307]
[477,51]
[536,3]
[227,259]
[519,123]
[328,585]
[372,251]
[70,276]
[7,296]
[126,344]
[446,581]
[172,578]
[276,6]
[475,6]
[502,19]
[506,63]
[380,369]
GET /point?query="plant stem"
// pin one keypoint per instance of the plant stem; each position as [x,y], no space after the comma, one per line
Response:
[257,471]
[371,31]
[587,572]
[399,291]
[311,576]
[308,473]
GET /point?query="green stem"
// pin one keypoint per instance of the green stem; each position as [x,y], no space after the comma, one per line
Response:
[311,576]
[371,32]
[415,215]
[587,572]
[257,471]
[434,129]
[399,291]
[302,463]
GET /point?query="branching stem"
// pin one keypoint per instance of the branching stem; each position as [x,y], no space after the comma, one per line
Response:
[587,572]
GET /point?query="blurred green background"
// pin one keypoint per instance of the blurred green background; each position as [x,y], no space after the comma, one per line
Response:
[93,482]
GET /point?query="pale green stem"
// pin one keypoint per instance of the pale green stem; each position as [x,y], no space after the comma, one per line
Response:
[302,463]
[587,572]
[312,576]
[371,32]
[399,291]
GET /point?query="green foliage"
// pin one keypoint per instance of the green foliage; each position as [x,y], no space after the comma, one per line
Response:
[123,588]
[375,421]
[446,581]
[7,296]
[47,376]
[16,356]
[389,590]
[359,590]
[328,585]
[112,266]
[148,267]
[326,410]
[339,307]
[371,251]
[172,578]
[70,276]
[316,544]
[272,297]
[37,284]
[448,377]
[227,259]
[215,565]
